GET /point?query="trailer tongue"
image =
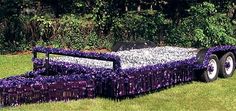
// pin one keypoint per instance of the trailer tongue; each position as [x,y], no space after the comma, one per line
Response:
[115,74]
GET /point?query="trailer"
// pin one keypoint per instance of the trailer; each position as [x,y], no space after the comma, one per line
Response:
[73,74]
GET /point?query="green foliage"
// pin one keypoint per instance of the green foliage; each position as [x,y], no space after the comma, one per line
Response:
[204,28]
[45,24]
[204,10]
[92,41]
[1,42]
[14,35]
[70,26]
[14,32]
[102,14]
[44,30]
[201,38]
[135,26]
[69,31]
[100,23]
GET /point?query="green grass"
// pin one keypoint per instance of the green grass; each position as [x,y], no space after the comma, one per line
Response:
[216,96]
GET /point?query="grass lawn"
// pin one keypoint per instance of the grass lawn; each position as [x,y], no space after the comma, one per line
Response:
[217,96]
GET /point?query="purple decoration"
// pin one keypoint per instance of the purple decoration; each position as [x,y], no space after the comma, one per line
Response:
[66,81]
[23,89]
[217,49]
[121,84]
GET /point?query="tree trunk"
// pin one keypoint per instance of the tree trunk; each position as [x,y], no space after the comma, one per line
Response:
[234,15]
[126,7]
[151,7]
[33,33]
[139,6]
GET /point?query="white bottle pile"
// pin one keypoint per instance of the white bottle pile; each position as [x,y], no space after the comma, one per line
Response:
[137,57]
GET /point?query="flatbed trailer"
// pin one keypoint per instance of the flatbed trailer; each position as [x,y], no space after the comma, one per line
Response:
[115,74]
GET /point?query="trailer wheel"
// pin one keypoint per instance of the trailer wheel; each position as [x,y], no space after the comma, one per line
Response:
[211,73]
[227,65]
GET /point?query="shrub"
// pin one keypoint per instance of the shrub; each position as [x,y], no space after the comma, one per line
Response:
[1,42]
[69,31]
[135,26]
[14,35]
[204,28]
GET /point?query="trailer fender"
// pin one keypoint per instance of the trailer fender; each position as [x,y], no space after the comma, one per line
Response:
[201,55]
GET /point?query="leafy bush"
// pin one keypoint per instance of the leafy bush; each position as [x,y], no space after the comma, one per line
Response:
[100,23]
[14,31]
[135,26]
[1,42]
[204,28]
[14,34]
[69,31]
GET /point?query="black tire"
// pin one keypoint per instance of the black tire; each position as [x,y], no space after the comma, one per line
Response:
[227,70]
[208,75]
[201,55]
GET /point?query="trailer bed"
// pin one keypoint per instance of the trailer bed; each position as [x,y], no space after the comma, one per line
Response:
[137,58]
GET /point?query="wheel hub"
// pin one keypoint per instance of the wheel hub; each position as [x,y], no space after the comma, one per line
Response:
[229,65]
[212,68]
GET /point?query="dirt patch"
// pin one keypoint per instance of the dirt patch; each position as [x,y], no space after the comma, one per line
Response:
[97,50]
[20,53]
[30,52]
